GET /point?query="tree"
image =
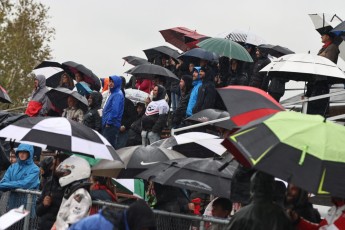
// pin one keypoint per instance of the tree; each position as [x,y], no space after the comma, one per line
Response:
[24,42]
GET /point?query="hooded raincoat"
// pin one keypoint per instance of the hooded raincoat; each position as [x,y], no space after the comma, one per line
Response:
[91,117]
[194,93]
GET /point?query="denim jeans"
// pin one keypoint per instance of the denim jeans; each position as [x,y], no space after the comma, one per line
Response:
[122,140]
[175,99]
[151,136]
[111,133]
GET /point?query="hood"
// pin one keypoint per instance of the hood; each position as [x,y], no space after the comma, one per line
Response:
[139,215]
[25,148]
[41,81]
[261,187]
[96,99]
[117,83]
[161,93]
[197,68]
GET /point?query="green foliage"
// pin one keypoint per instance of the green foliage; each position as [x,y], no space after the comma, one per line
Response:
[24,42]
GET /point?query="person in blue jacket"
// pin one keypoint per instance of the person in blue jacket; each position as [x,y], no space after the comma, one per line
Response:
[113,111]
[194,94]
[22,174]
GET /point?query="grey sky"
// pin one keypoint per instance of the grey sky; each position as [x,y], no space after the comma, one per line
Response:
[99,33]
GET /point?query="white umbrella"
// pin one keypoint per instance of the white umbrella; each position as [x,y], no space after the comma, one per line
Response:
[52,75]
[136,95]
[304,67]
[244,36]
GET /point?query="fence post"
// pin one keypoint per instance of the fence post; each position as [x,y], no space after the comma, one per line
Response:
[202,225]
[28,207]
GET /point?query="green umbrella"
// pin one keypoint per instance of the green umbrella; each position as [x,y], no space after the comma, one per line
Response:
[305,150]
[225,47]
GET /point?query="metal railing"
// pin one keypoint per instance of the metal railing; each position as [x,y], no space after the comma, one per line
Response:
[165,220]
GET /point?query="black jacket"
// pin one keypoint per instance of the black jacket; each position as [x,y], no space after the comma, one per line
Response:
[259,80]
[91,118]
[238,78]
[206,94]
[129,114]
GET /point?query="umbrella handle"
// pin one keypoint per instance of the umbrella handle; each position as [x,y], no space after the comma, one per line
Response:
[226,164]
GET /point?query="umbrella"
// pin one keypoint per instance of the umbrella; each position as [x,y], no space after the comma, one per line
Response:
[305,150]
[213,114]
[225,47]
[4,96]
[245,103]
[193,144]
[151,70]
[136,159]
[135,60]
[159,51]
[276,50]
[59,133]
[182,37]
[199,53]
[83,88]
[52,75]
[244,36]
[136,95]
[89,76]
[304,67]
[194,174]
[58,97]
[339,29]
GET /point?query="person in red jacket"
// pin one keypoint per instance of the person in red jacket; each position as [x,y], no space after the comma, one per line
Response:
[144,85]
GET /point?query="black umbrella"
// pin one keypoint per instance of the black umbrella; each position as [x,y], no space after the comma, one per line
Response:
[52,71]
[150,71]
[133,60]
[276,50]
[213,114]
[59,133]
[58,97]
[195,174]
[160,51]
[199,53]
[136,159]
[4,96]
[89,76]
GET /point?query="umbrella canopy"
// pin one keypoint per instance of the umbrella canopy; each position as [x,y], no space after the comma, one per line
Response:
[159,51]
[51,70]
[59,133]
[304,67]
[136,95]
[245,103]
[225,47]
[151,70]
[89,76]
[193,144]
[134,60]
[182,37]
[276,50]
[245,36]
[136,159]
[195,174]
[302,149]
[339,29]
[58,97]
[213,114]
[199,53]
[4,97]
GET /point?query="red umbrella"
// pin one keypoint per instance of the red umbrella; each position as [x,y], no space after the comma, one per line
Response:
[182,37]
[246,104]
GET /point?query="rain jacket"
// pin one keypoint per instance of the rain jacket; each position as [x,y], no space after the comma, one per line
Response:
[75,205]
[156,113]
[144,85]
[194,94]
[39,103]
[74,114]
[134,133]
[113,109]
[330,51]
[23,174]
[91,117]
[261,213]
[257,79]
[129,113]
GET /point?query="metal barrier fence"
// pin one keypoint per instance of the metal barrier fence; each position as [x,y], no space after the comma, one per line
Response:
[165,220]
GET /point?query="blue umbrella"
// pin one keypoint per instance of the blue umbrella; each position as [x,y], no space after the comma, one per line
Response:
[200,53]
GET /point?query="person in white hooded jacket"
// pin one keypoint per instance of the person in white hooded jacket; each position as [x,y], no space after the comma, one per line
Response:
[73,172]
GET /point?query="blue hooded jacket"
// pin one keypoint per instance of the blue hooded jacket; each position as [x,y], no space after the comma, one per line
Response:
[194,94]
[22,174]
[113,109]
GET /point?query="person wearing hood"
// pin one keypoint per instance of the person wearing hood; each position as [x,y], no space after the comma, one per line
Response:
[39,103]
[92,118]
[128,117]
[134,133]
[207,92]
[262,213]
[180,112]
[46,171]
[258,79]
[194,93]
[155,117]
[113,111]
[138,216]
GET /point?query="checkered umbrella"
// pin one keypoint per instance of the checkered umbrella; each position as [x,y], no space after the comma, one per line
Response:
[59,133]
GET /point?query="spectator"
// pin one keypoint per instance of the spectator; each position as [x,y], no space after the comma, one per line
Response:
[73,111]
[144,85]
[138,216]
[46,170]
[66,81]
[73,174]
[237,76]
[105,84]
[222,76]
[39,103]
[194,93]
[276,88]
[113,111]
[221,208]
[155,117]
[100,190]
[92,118]
[134,133]
[257,79]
